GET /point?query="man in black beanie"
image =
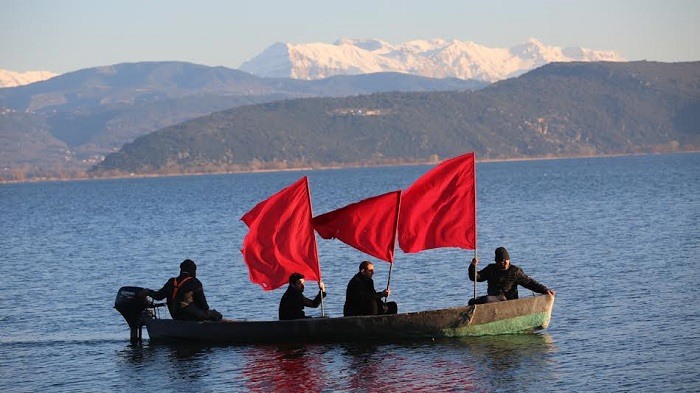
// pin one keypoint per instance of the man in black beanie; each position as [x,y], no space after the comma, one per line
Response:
[503,279]
[185,294]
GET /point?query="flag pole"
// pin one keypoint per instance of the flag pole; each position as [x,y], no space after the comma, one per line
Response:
[393,243]
[389,280]
[323,312]
[320,279]
[475,222]
[475,275]
[318,261]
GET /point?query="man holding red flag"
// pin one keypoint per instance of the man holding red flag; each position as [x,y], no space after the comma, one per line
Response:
[293,301]
[362,299]
[368,226]
[503,279]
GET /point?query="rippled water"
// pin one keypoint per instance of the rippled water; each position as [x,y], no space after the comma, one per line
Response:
[616,237]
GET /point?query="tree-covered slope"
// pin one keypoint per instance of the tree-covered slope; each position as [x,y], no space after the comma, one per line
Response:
[561,109]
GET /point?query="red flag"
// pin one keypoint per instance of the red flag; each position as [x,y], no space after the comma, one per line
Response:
[368,225]
[439,209]
[281,239]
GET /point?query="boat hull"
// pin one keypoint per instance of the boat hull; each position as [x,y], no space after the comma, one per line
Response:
[514,316]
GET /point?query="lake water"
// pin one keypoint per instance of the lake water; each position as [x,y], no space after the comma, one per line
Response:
[617,238]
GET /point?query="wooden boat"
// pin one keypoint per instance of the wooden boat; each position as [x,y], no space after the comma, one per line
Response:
[514,316]
[455,183]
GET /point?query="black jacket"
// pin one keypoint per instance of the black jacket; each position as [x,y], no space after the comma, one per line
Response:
[505,282]
[293,302]
[359,296]
[188,302]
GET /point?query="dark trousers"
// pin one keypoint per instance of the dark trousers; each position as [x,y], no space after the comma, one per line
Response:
[194,313]
[487,299]
[379,307]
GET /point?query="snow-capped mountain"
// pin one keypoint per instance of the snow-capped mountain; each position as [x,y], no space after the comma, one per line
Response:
[12,79]
[436,58]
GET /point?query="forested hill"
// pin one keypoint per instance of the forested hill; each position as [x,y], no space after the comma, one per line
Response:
[561,109]
[59,127]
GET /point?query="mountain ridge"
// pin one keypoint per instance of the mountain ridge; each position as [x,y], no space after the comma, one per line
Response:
[14,78]
[435,58]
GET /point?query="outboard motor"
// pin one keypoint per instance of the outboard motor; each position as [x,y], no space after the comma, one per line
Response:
[130,305]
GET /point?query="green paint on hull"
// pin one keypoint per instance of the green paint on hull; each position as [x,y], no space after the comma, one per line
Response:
[525,323]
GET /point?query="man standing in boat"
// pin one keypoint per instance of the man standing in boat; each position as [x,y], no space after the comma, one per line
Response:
[503,279]
[293,301]
[362,299]
[185,294]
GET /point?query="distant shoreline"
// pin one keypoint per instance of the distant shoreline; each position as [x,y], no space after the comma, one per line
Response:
[329,167]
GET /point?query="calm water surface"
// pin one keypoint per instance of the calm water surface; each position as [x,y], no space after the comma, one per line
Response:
[616,237]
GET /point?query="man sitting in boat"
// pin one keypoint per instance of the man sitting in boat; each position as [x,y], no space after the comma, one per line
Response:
[503,279]
[293,301]
[362,299]
[185,294]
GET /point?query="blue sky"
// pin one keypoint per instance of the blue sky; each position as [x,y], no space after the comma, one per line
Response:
[68,35]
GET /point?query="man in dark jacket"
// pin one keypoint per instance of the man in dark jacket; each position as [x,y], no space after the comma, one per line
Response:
[185,296]
[293,301]
[503,279]
[362,299]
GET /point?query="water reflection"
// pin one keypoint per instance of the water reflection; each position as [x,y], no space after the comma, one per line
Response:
[139,353]
[134,354]
[469,364]
[512,362]
[524,361]
[362,366]
[177,364]
[282,368]
[409,366]
[509,351]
